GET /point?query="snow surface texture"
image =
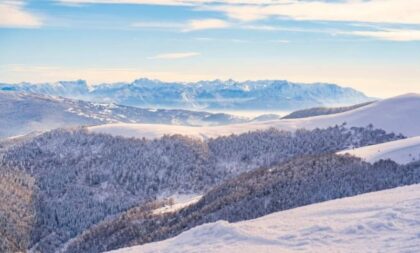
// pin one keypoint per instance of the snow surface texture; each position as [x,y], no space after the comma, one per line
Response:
[399,114]
[385,221]
[401,151]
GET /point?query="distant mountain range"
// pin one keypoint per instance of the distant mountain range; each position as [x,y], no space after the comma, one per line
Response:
[203,95]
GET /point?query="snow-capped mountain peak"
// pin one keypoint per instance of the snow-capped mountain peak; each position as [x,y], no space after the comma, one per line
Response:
[216,94]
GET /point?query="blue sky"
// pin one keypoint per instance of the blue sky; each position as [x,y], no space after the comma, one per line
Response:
[373,46]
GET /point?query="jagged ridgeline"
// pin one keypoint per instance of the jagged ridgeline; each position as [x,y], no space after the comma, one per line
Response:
[249,95]
[71,180]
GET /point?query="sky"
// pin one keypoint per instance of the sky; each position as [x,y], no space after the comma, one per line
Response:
[370,45]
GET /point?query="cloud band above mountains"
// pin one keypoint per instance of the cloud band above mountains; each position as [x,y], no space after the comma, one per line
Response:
[375,11]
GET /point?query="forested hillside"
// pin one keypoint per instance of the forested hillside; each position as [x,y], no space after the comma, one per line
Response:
[382,221]
[299,182]
[81,178]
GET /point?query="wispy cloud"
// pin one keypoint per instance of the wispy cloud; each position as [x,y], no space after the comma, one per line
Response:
[159,25]
[205,24]
[375,11]
[242,14]
[13,14]
[149,2]
[189,26]
[273,28]
[261,27]
[379,32]
[169,2]
[174,56]
[390,34]
[233,40]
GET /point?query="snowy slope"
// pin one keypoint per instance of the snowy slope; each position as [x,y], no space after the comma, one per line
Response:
[22,113]
[399,114]
[401,151]
[154,130]
[385,221]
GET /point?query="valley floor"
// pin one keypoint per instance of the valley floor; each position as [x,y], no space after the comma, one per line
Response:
[385,221]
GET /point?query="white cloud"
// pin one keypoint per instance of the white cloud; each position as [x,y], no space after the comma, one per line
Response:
[272,28]
[153,2]
[380,34]
[12,14]
[233,40]
[189,26]
[261,27]
[391,34]
[174,56]
[205,24]
[169,2]
[375,11]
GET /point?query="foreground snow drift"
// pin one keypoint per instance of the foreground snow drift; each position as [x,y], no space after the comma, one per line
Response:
[401,151]
[399,114]
[385,221]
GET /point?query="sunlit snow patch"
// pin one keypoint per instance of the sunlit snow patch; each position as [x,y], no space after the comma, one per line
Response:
[401,151]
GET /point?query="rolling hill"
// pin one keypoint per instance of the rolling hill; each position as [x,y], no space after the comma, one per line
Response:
[317,111]
[63,182]
[401,151]
[398,114]
[79,190]
[22,113]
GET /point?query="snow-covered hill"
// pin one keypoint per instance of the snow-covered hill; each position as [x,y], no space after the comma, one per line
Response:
[399,114]
[401,151]
[22,113]
[384,221]
[249,95]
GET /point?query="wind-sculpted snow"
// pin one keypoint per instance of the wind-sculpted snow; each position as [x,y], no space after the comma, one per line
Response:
[248,95]
[83,178]
[384,221]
